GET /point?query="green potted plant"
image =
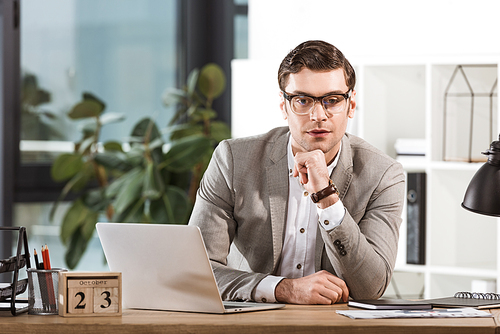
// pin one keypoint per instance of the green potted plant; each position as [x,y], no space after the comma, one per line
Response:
[153,181]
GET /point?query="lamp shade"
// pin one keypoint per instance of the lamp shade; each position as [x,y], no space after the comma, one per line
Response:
[483,193]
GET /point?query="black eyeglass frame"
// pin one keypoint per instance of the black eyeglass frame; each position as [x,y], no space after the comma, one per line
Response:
[288,97]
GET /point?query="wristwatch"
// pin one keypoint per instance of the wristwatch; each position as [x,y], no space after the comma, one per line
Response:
[329,190]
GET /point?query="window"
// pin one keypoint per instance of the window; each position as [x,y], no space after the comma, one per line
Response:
[126,52]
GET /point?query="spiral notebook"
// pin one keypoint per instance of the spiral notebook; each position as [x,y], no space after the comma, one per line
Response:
[468,299]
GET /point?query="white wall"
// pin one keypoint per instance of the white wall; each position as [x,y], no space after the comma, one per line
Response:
[361,29]
[382,27]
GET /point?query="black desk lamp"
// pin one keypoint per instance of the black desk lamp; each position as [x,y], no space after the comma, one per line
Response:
[483,194]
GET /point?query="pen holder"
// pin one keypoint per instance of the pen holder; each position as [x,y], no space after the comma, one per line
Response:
[43,287]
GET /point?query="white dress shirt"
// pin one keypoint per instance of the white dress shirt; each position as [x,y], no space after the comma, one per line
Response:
[303,216]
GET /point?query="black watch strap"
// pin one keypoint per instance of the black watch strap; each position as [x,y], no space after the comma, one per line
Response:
[329,190]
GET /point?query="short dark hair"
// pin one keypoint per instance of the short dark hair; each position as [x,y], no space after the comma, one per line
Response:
[317,56]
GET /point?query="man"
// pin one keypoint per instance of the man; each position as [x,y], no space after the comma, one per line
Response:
[304,214]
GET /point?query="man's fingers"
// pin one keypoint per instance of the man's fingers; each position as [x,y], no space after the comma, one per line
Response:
[334,292]
[341,285]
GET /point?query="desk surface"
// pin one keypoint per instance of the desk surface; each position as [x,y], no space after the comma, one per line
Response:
[292,318]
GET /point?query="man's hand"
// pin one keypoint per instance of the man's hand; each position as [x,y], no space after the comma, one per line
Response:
[312,171]
[319,288]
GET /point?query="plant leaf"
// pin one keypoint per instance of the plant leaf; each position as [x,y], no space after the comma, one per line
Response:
[212,81]
[76,249]
[89,128]
[91,97]
[143,126]
[111,118]
[185,130]
[82,178]
[66,166]
[134,213]
[172,208]
[86,109]
[77,182]
[157,143]
[72,220]
[153,184]
[113,146]
[116,186]
[95,199]
[192,80]
[219,131]
[173,95]
[186,153]
[114,160]
[202,114]
[85,145]
[131,191]
[88,226]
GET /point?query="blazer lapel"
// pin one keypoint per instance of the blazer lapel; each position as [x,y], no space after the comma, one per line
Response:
[277,183]
[342,177]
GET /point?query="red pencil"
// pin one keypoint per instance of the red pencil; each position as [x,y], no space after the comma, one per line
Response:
[48,257]
[44,257]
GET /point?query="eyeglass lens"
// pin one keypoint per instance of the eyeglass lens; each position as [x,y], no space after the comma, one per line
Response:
[304,104]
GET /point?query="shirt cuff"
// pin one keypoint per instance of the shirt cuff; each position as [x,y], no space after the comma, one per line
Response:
[332,216]
[264,291]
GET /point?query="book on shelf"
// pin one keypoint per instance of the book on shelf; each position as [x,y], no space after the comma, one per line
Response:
[391,304]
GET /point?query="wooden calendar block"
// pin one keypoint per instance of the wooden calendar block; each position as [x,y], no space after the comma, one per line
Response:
[80,300]
[90,294]
[105,300]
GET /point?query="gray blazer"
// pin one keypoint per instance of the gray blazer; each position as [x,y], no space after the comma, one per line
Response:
[241,209]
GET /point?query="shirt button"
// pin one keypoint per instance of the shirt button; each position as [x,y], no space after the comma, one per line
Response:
[326,222]
[299,266]
[290,171]
[336,242]
[302,230]
[306,193]
[264,300]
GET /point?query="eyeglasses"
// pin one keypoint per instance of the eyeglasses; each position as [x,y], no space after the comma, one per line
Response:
[302,104]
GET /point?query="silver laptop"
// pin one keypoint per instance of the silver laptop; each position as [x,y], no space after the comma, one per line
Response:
[166,267]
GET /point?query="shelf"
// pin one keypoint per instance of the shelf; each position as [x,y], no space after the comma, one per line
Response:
[466,272]
[405,98]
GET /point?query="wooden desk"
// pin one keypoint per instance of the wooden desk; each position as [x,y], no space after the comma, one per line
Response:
[291,319]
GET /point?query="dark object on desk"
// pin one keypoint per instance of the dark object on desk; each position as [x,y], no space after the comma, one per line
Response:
[483,193]
[415,222]
[391,304]
[468,299]
[12,266]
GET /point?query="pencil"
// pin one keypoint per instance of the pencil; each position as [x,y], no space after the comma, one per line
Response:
[44,257]
[48,257]
[37,264]
[50,282]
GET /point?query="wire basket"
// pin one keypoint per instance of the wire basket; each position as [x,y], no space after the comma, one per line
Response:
[43,290]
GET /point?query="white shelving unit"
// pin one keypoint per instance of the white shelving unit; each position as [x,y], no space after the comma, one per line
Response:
[404,99]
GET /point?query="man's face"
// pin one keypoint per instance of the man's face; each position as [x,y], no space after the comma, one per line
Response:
[317,130]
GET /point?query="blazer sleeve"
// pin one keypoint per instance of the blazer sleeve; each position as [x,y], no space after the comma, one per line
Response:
[213,213]
[363,248]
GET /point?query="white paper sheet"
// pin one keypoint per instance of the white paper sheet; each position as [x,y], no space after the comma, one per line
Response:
[466,312]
